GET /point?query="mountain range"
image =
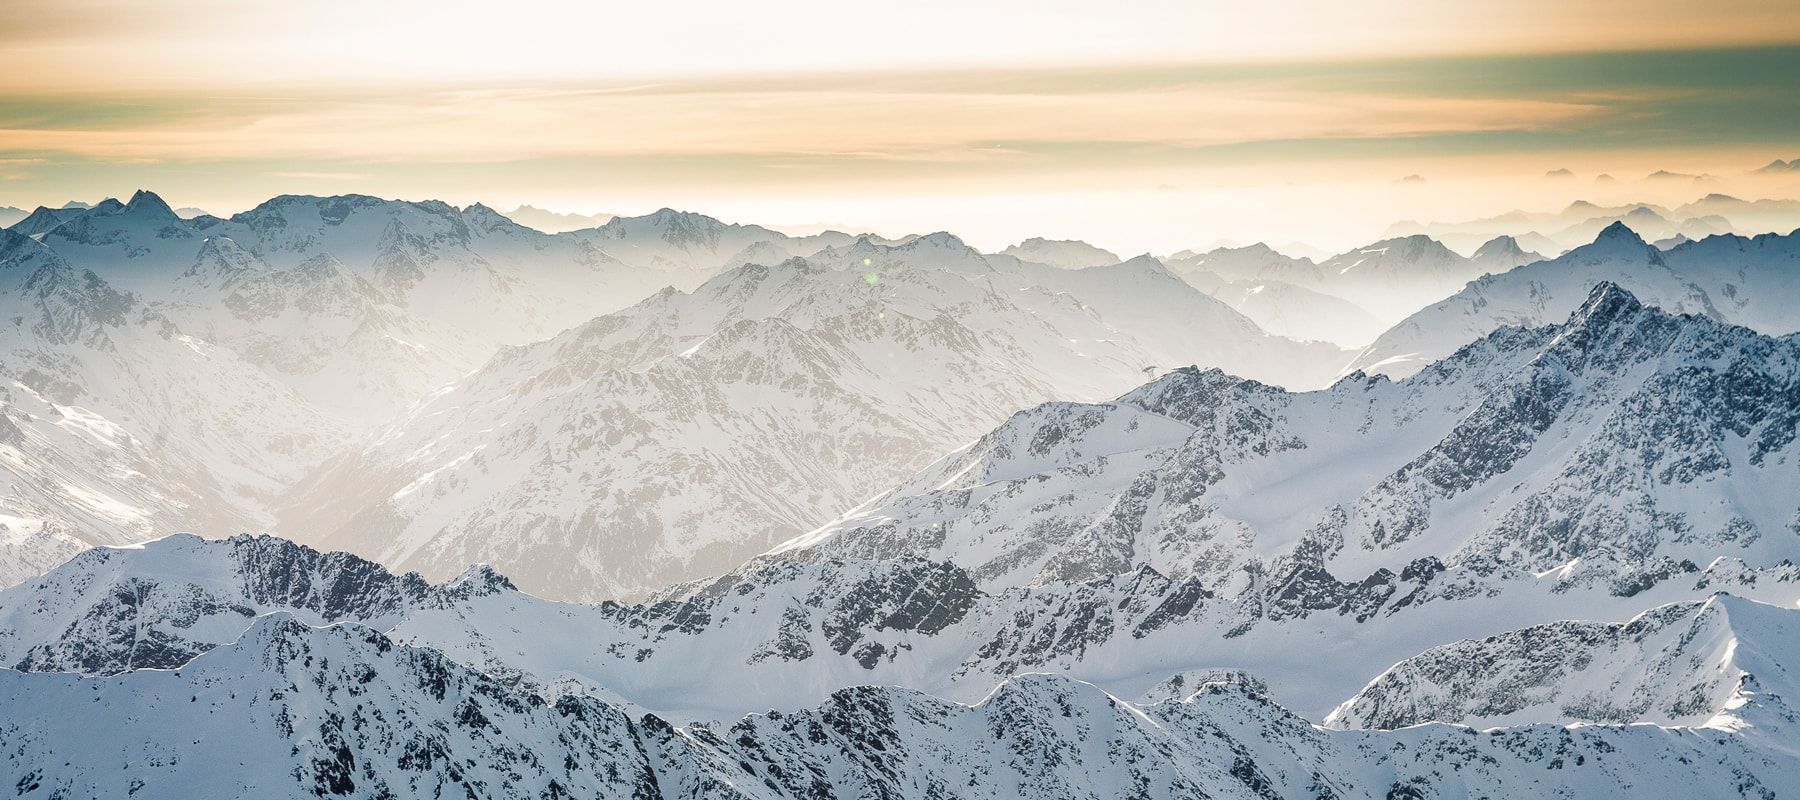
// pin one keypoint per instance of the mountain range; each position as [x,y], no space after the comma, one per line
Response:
[1490,456]
[295,672]
[673,507]
[291,710]
[371,324]
[993,570]
[1732,279]
[672,440]
[1386,280]
[1553,233]
[553,222]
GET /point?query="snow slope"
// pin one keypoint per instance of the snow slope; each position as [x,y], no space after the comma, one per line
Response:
[1287,310]
[119,425]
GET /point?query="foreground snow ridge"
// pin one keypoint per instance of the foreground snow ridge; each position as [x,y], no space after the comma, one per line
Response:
[256,667]
[293,710]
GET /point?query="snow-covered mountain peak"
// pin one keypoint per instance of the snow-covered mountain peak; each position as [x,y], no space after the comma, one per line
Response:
[938,240]
[939,251]
[1606,303]
[277,211]
[1503,248]
[220,265]
[683,229]
[1414,248]
[1619,234]
[682,242]
[1388,279]
[479,580]
[144,201]
[44,218]
[61,305]
[1603,325]
[1190,392]
[1256,251]
[356,228]
[159,603]
[1026,692]
[125,231]
[943,250]
[1061,253]
[1419,256]
[1143,262]
[487,220]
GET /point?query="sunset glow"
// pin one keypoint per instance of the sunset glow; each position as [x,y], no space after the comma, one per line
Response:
[809,114]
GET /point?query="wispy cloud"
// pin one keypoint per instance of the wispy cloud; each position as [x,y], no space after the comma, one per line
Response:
[509,124]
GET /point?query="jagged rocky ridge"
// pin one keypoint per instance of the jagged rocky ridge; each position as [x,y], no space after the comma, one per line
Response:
[1626,444]
[788,634]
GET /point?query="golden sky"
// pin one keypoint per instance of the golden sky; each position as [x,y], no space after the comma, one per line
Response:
[1143,125]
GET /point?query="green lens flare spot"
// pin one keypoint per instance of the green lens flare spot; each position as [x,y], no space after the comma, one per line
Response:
[871,278]
[865,262]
